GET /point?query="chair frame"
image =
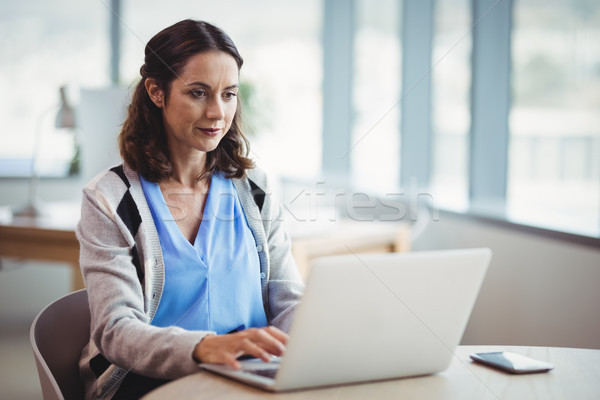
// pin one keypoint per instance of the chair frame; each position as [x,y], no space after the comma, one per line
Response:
[58,334]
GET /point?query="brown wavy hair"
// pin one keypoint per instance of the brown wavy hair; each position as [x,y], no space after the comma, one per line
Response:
[142,141]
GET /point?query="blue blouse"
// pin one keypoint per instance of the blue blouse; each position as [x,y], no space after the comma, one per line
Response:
[213,284]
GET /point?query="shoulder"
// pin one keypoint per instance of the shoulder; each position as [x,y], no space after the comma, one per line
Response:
[259,178]
[253,188]
[118,176]
[116,193]
[107,181]
[255,183]
[112,184]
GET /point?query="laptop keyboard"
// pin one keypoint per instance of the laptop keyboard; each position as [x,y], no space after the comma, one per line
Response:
[266,372]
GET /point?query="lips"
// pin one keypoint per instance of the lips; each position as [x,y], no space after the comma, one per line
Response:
[210,131]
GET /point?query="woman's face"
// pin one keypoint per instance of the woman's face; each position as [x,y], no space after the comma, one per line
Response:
[201,103]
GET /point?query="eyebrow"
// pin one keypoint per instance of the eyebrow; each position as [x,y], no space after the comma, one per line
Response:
[207,86]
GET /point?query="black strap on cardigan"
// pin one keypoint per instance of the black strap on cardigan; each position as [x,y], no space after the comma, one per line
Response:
[257,194]
[128,212]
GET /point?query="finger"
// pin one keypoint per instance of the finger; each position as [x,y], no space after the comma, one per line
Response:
[254,349]
[278,333]
[231,361]
[268,342]
[223,349]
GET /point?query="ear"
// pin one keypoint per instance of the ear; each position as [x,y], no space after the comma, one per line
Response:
[155,92]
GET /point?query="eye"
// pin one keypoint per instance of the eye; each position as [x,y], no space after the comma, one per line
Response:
[198,93]
[229,95]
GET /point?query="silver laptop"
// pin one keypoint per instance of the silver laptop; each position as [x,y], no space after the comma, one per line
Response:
[368,317]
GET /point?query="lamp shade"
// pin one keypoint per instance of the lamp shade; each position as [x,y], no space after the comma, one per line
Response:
[65,117]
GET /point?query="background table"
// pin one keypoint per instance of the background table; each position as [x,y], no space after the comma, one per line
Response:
[310,241]
[49,237]
[576,375]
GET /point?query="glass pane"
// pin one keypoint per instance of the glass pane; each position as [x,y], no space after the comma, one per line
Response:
[376,90]
[281,46]
[554,174]
[451,116]
[43,46]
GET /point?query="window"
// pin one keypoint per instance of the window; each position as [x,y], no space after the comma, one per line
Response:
[554,155]
[43,46]
[281,47]
[376,89]
[451,117]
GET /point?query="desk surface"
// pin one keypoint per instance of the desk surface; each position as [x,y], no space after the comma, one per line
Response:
[576,375]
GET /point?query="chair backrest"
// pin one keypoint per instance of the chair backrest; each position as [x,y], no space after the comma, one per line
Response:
[58,334]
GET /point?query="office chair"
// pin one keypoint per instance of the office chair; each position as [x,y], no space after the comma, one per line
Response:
[58,334]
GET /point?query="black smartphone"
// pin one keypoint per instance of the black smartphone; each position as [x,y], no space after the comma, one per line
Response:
[512,362]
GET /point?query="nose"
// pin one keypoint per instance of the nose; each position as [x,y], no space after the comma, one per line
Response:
[215,109]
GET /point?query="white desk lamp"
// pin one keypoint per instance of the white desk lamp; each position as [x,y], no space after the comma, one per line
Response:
[65,118]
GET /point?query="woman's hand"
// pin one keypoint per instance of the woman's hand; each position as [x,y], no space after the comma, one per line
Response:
[225,349]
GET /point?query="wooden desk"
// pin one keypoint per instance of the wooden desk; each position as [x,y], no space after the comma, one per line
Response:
[312,240]
[576,375]
[50,237]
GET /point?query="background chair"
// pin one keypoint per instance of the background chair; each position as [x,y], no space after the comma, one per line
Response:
[58,334]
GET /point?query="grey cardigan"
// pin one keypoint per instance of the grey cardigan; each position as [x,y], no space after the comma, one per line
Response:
[123,270]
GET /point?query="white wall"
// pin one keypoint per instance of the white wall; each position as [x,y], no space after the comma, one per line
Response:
[26,287]
[538,290]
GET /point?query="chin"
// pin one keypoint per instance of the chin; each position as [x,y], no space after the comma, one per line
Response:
[210,147]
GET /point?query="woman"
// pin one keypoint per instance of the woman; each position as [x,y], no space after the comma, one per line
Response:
[182,249]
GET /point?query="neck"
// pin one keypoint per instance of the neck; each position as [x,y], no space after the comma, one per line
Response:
[186,172]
